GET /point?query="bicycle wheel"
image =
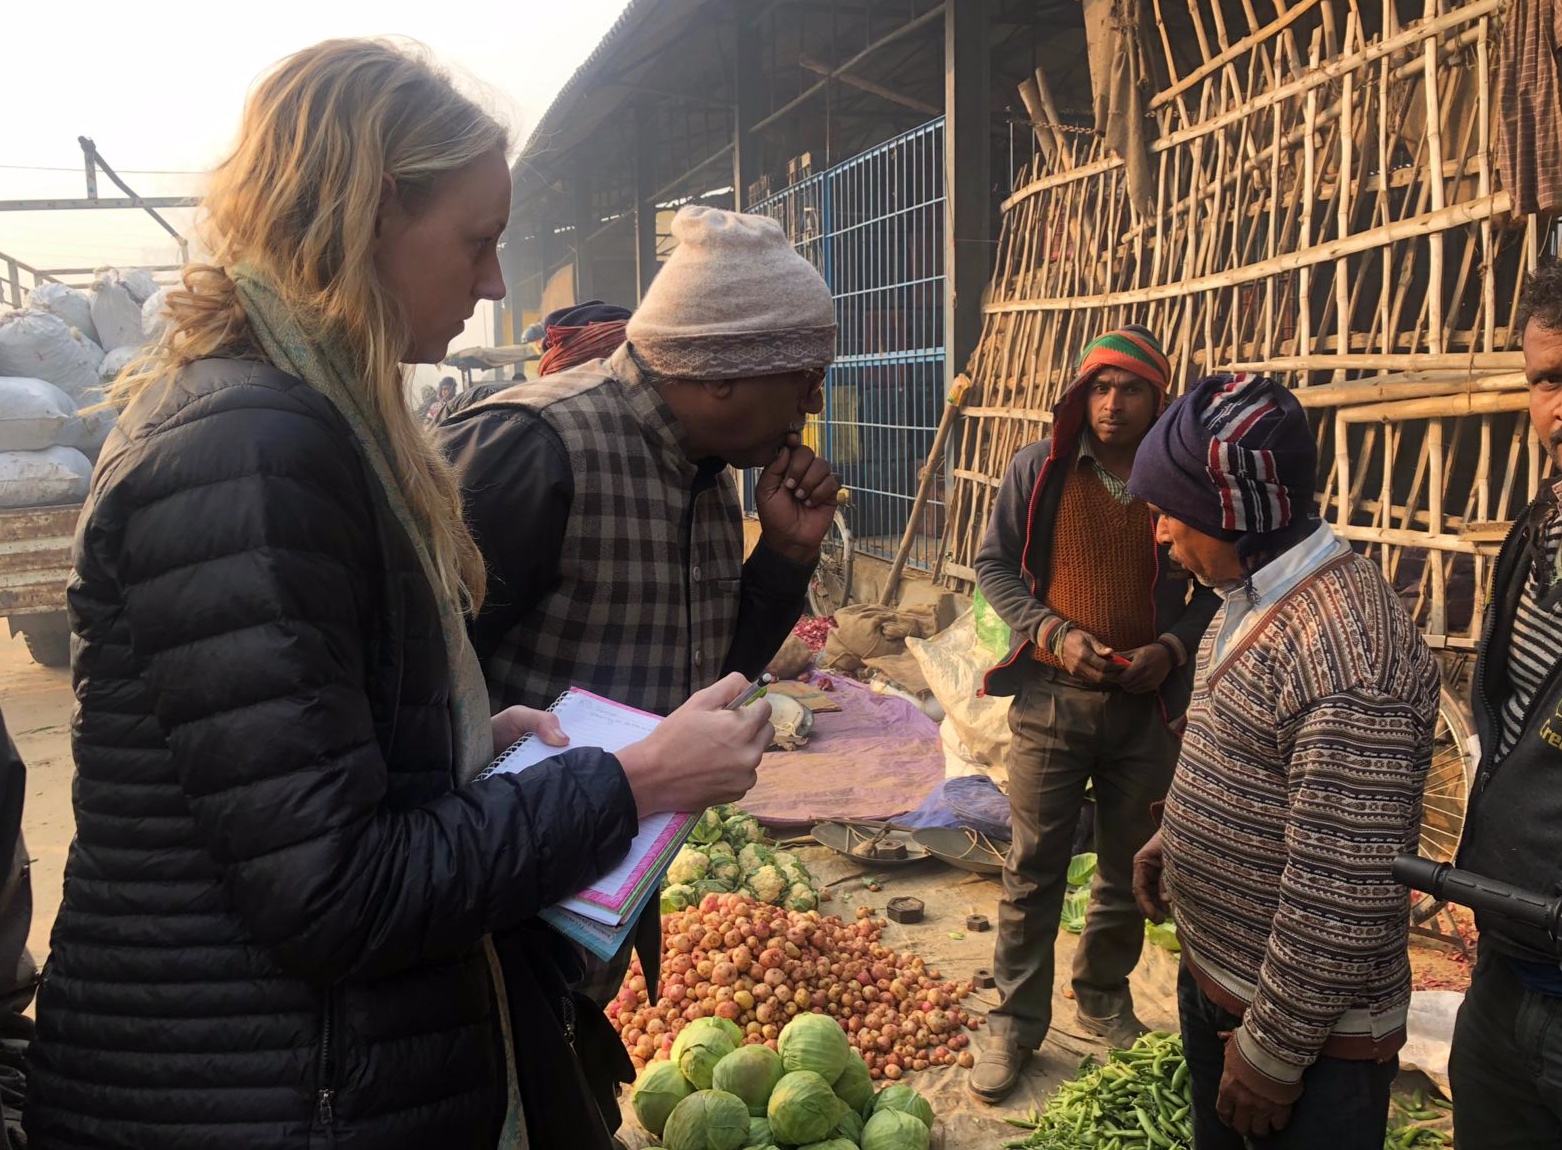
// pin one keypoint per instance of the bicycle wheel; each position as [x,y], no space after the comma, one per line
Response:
[1448,780]
[830,587]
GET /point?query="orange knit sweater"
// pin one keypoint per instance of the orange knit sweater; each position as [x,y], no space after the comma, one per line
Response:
[1102,571]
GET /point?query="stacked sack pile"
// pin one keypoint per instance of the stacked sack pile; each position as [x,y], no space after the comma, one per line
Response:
[56,356]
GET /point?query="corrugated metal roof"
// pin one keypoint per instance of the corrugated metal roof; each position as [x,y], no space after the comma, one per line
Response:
[578,107]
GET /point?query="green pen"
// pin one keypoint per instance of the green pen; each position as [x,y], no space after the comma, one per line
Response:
[755,690]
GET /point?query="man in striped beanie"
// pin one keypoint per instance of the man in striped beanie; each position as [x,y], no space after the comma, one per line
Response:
[1099,670]
[1300,777]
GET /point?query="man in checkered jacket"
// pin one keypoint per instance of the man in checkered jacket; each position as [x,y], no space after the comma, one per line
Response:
[603,501]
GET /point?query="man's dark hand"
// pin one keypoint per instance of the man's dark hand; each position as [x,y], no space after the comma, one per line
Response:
[1086,657]
[1149,881]
[795,498]
[1147,668]
[1244,1109]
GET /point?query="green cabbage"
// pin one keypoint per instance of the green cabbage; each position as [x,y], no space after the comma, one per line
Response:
[814,1042]
[741,829]
[803,1108]
[709,1120]
[697,1049]
[831,1144]
[708,828]
[1163,935]
[894,1130]
[660,1087]
[689,865]
[769,884]
[1075,904]
[759,1133]
[678,897]
[904,1099]
[849,1127]
[801,897]
[853,1085]
[725,1025]
[1081,869]
[750,1072]
[753,856]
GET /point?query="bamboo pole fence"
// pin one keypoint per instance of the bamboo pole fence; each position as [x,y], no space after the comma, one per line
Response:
[1326,211]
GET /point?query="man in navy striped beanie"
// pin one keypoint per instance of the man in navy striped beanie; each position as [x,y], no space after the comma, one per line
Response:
[1301,773]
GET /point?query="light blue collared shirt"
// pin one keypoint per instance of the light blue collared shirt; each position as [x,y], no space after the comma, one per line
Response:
[1240,612]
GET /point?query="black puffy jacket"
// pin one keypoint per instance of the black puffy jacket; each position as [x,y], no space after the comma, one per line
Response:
[274,905]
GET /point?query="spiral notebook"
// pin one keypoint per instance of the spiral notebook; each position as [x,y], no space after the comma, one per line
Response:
[601,915]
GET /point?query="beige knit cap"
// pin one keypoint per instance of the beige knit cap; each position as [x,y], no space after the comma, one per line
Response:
[733,300]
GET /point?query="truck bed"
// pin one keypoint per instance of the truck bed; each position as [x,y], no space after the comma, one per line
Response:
[35,558]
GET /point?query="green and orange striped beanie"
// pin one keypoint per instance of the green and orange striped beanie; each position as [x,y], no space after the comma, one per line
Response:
[1131,348]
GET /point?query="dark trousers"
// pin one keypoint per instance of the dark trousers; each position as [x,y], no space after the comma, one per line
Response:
[1506,1064]
[1064,737]
[1344,1102]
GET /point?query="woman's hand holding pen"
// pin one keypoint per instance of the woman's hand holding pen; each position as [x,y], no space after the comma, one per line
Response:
[701,754]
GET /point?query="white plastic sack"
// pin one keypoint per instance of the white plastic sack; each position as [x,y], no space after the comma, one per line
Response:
[43,478]
[33,414]
[975,731]
[140,284]
[153,319]
[1429,1034]
[37,345]
[114,362]
[89,431]
[116,312]
[70,304]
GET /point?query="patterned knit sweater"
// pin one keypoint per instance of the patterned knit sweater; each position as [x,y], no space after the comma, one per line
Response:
[1300,778]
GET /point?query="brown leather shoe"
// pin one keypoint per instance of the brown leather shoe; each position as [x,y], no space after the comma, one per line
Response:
[997,1073]
[1122,1030]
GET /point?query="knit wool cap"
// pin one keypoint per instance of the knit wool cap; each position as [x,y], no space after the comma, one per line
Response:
[734,300]
[1131,348]
[1234,457]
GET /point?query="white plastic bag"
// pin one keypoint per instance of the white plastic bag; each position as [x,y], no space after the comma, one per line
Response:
[70,304]
[89,430]
[44,478]
[34,414]
[154,320]
[37,345]
[114,362]
[116,312]
[975,731]
[140,284]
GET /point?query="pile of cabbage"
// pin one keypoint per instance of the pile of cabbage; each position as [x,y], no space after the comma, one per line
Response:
[812,1091]
[727,853]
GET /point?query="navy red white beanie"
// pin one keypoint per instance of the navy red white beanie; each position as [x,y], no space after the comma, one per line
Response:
[1234,457]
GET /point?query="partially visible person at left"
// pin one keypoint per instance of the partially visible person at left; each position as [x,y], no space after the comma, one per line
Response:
[18,973]
[1300,778]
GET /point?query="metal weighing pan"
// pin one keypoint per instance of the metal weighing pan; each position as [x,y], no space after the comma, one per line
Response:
[866,843]
[963,847]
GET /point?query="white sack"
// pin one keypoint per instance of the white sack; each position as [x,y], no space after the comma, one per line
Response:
[89,431]
[115,312]
[34,414]
[140,284]
[70,304]
[114,363]
[154,320]
[37,345]
[975,731]
[55,475]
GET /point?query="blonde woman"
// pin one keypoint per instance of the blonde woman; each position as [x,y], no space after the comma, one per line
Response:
[277,904]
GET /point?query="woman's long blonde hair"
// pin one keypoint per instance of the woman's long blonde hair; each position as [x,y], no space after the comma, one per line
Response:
[297,202]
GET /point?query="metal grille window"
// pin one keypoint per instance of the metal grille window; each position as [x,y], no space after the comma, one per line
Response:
[874,227]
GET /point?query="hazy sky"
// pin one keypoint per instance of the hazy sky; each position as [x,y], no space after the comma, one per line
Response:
[160,89]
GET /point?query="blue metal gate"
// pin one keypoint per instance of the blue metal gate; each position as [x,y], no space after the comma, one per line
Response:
[874,227]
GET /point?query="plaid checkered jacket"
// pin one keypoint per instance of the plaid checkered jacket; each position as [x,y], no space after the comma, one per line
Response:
[650,581]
